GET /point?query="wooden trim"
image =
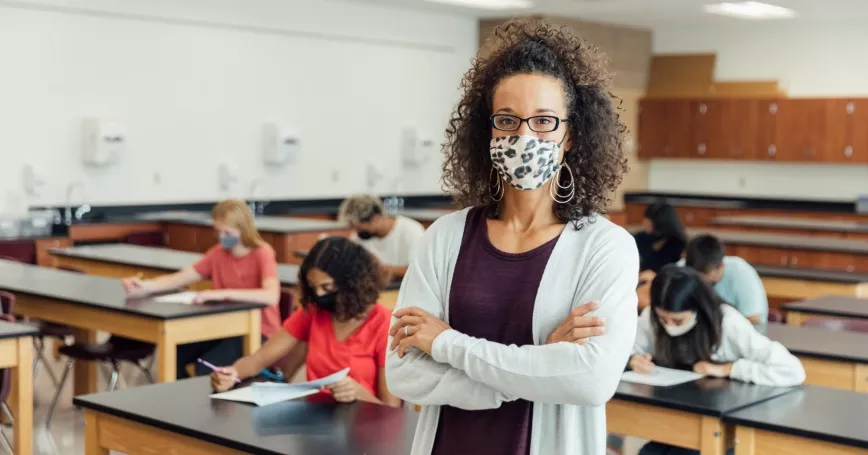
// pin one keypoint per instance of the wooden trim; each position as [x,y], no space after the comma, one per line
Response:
[860,378]
[208,327]
[713,437]
[8,353]
[21,396]
[116,270]
[795,318]
[762,442]
[114,231]
[668,426]
[114,433]
[830,373]
[803,289]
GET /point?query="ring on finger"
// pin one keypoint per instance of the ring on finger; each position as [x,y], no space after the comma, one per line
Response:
[406,330]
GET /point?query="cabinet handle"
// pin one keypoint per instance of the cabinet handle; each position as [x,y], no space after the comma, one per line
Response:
[851,268]
[794,261]
[851,108]
[735,151]
[809,152]
[784,260]
[773,108]
[667,150]
[848,151]
[703,108]
[773,150]
[689,216]
[701,149]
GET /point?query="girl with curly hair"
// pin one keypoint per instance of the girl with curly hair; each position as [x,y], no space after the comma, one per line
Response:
[341,326]
[517,315]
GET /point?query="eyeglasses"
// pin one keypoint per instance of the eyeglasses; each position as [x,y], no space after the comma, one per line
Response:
[537,124]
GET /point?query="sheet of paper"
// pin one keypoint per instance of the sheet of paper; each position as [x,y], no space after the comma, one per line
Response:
[186,297]
[266,393]
[661,377]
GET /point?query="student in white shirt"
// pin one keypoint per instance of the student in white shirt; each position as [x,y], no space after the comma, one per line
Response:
[688,327]
[390,238]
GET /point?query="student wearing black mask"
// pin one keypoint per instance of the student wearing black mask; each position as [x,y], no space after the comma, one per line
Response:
[663,239]
[390,238]
[341,326]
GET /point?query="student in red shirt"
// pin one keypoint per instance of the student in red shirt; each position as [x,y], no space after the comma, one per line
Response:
[342,325]
[241,267]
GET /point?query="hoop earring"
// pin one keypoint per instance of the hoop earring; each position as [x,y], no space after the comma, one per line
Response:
[498,185]
[555,193]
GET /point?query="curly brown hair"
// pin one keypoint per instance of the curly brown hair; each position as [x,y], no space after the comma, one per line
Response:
[358,276]
[596,157]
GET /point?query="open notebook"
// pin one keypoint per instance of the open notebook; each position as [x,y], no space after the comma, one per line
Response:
[266,393]
[180,297]
[661,377]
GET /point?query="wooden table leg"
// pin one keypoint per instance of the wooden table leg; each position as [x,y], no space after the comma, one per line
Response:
[744,441]
[794,318]
[86,374]
[167,354]
[253,339]
[91,434]
[713,437]
[21,397]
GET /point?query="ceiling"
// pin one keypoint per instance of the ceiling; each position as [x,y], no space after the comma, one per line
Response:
[653,13]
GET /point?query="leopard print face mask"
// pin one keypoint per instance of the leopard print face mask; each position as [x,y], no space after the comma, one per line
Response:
[525,162]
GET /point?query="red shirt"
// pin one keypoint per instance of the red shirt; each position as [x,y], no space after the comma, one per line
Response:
[364,351]
[246,272]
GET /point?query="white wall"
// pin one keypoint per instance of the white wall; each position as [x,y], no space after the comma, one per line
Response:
[810,60]
[193,81]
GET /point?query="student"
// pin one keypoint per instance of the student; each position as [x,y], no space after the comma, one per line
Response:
[734,280]
[688,327]
[341,324]
[391,238]
[241,267]
[491,336]
[663,240]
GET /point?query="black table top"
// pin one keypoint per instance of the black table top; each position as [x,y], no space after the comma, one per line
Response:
[832,305]
[791,223]
[100,292]
[831,415]
[791,241]
[154,258]
[820,343]
[725,201]
[294,428]
[273,224]
[11,330]
[706,396]
[833,276]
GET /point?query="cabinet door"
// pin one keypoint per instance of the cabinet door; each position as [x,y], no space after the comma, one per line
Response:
[696,216]
[706,126]
[846,132]
[838,261]
[739,131]
[652,128]
[678,144]
[767,147]
[768,256]
[800,132]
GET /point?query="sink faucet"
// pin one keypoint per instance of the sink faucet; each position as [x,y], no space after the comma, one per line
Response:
[70,189]
[256,207]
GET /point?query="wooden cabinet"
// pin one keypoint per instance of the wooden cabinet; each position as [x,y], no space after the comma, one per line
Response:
[44,247]
[847,140]
[108,232]
[664,128]
[696,216]
[724,129]
[185,237]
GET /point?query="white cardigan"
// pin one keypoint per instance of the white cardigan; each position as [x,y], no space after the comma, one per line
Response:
[568,384]
[755,358]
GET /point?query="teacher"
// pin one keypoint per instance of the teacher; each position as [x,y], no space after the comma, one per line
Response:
[517,315]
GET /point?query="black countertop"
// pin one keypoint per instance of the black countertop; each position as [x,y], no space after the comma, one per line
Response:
[821,413]
[838,345]
[832,305]
[273,224]
[11,330]
[102,293]
[293,428]
[832,276]
[701,200]
[792,223]
[154,258]
[706,396]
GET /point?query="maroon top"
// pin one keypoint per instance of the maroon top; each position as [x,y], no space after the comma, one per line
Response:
[492,298]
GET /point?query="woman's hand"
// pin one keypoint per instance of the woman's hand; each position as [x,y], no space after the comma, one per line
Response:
[415,328]
[642,363]
[346,390]
[578,327]
[134,286]
[211,295]
[224,379]
[717,370]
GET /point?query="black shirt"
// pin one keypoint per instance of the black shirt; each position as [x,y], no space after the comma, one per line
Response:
[655,252]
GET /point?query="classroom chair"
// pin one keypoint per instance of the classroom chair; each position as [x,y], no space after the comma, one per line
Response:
[114,351]
[775,315]
[850,325]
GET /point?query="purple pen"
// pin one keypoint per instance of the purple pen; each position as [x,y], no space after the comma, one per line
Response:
[214,368]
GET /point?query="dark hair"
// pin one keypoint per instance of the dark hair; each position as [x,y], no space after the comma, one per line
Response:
[705,253]
[679,289]
[666,221]
[357,274]
[532,46]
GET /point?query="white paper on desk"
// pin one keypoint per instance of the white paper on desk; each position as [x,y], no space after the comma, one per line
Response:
[266,393]
[186,297]
[661,377]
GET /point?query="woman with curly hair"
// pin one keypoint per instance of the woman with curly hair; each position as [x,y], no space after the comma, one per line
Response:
[517,315]
[342,326]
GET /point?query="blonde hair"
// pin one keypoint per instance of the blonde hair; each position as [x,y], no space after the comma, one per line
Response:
[235,213]
[359,208]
